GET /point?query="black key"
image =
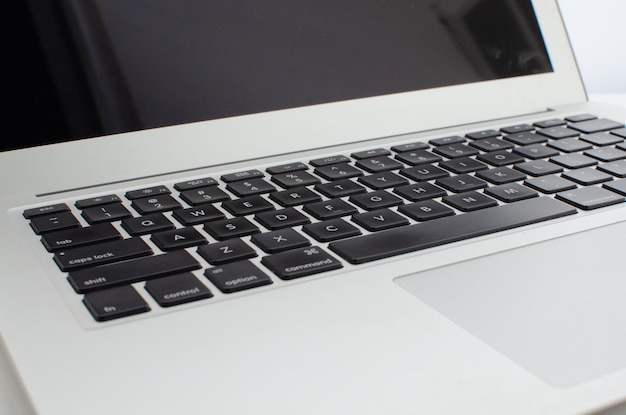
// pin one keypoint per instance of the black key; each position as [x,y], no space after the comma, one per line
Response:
[570,145]
[128,272]
[455,139]
[73,238]
[331,230]
[107,213]
[177,289]
[449,229]
[280,240]
[461,183]
[279,219]
[45,210]
[511,192]
[419,191]
[376,200]
[326,161]
[418,157]
[588,198]
[155,204]
[295,197]
[340,188]
[379,164]
[250,187]
[199,196]
[606,154]
[286,168]
[526,138]
[557,133]
[102,253]
[196,183]
[602,139]
[538,168]
[178,239]
[54,222]
[146,224]
[455,150]
[580,117]
[424,173]
[596,126]
[536,151]
[620,132]
[463,165]
[242,175]
[501,175]
[401,148]
[469,201]
[491,144]
[518,128]
[587,176]
[383,180]
[237,276]
[338,171]
[301,262]
[379,220]
[483,134]
[550,183]
[555,122]
[230,228]
[616,168]
[295,179]
[500,158]
[617,186]
[574,160]
[115,303]
[198,214]
[329,209]
[377,152]
[426,210]
[247,206]
[97,201]
[226,251]
[147,192]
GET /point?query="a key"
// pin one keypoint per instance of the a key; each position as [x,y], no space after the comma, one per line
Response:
[178,239]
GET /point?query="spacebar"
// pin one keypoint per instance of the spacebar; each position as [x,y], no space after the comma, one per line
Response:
[449,229]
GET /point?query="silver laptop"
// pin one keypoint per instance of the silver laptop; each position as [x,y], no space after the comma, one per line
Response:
[354,207]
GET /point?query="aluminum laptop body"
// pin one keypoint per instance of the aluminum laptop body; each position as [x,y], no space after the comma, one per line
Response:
[527,320]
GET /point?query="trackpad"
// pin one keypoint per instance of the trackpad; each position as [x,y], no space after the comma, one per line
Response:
[558,308]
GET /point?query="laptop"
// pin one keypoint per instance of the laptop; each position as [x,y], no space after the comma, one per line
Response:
[354,207]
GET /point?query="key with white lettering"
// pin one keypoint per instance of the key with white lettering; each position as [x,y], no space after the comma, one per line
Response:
[115,303]
[280,240]
[177,289]
[198,214]
[301,262]
[178,239]
[227,251]
[55,222]
[73,238]
[237,276]
[102,253]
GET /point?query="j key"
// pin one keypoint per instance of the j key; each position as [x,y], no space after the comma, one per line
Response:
[237,276]
[242,175]
[197,214]
[301,262]
[597,125]
[338,171]
[230,228]
[294,179]
[196,183]
[155,204]
[469,201]
[106,213]
[378,164]
[588,198]
[146,224]
[280,240]
[450,229]
[102,253]
[376,200]
[97,201]
[250,187]
[227,251]
[147,192]
[284,218]
[54,222]
[329,209]
[461,183]
[378,220]
[177,289]
[73,238]
[202,195]
[247,206]
[128,272]
[419,191]
[340,188]
[45,210]
[425,210]
[295,197]
[115,303]
[178,239]
[383,180]
[331,230]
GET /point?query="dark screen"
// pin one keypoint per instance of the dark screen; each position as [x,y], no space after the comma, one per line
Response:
[84,68]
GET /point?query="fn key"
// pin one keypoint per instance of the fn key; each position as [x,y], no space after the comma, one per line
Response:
[115,303]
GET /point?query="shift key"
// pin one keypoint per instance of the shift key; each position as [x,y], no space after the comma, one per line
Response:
[102,253]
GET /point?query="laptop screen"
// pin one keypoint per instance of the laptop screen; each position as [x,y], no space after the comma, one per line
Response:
[85,68]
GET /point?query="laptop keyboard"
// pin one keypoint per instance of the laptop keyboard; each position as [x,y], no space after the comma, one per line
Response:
[187,241]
